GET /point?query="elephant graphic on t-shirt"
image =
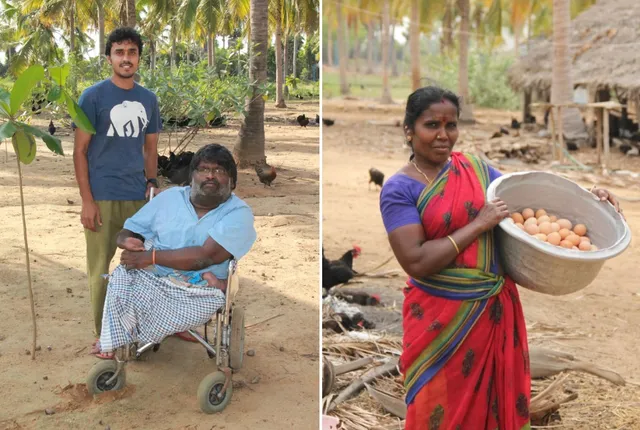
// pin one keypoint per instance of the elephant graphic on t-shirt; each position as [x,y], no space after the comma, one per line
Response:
[125,119]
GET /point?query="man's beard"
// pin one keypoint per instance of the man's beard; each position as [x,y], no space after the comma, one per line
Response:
[121,73]
[203,195]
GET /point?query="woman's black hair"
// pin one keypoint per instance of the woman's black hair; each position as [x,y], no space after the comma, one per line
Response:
[120,35]
[422,98]
[214,153]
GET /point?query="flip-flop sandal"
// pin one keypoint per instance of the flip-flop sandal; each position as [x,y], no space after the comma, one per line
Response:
[184,335]
[105,355]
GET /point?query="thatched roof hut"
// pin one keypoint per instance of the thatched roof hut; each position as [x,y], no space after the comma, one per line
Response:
[605,52]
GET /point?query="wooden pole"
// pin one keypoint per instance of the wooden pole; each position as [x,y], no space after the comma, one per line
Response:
[599,127]
[605,132]
[560,135]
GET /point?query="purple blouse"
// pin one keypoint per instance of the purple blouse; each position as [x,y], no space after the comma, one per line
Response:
[399,199]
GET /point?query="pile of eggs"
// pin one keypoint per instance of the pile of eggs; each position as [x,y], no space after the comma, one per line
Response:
[554,231]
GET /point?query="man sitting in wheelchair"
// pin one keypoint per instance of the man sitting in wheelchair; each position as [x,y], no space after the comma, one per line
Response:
[176,250]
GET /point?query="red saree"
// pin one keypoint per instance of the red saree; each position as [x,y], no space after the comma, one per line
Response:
[465,358]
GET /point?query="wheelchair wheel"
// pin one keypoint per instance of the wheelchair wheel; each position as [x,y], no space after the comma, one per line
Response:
[208,391]
[236,340]
[100,373]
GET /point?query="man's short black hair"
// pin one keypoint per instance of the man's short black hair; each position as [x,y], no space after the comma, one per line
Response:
[215,153]
[122,34]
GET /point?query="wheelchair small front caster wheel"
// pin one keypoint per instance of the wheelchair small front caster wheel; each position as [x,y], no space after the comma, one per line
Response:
[209,391]
[101,373]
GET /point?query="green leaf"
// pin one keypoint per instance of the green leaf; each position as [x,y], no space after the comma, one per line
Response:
[25,146]
[53,143]
[7,130]
[59,74]
[5,102]
[23,86]
[55,93]
[78,116]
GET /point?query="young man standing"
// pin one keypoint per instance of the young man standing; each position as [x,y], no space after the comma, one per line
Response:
[116,167]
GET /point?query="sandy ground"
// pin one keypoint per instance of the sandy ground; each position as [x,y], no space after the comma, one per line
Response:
[277,388]
[598,323]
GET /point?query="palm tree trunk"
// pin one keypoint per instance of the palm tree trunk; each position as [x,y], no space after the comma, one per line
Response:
[295,55]
[285,55]
[210,50]
[466,113]
[249,148]
[561,86]
[72,26]
[447,23]
[394,62]
[330,49]
[386,41]
[131,13]
[414,44]
[356,46]
[370,47]
[101,41]
[342,54]
[279,65]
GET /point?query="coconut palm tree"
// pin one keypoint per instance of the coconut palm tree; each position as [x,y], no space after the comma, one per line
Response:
[342,54]
[386,42]
[249,148]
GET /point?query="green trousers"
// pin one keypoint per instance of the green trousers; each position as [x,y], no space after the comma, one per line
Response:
[101,247]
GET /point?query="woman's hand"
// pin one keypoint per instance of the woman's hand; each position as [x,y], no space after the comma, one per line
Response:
[605,195]
[491,214]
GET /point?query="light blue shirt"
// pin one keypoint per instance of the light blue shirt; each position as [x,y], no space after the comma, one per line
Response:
[170,222]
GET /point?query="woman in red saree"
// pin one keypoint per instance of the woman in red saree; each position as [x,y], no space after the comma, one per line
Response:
[465,357]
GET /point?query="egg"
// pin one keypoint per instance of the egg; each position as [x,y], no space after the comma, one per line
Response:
[531,220]
[520,225]
[584,246]
[566,244]
[554,238]
[580,229]
[553,218]
[531,228]
[541,236]
[574,238]
[555,226]
[517,218]
[594,248]
[528,213]
[545,227]
[585,239]
[540,212]
[565,223]
[564,233]
[543,218]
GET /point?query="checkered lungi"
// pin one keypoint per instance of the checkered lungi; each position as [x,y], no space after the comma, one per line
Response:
[143,307]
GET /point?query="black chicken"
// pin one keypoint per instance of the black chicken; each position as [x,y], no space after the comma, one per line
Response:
[328,122]
[302,120]
[375,176]
[515,124]
[358,297]
[176,167]
[338,272]
[317,119]
[52,128]
[349,322]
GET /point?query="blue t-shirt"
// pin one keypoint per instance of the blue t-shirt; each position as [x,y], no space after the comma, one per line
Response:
[170,222]
[121,118]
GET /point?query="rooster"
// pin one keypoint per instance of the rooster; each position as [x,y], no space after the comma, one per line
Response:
[340,271]
[302,120]
[328,122]
[376,176]
[266,174]
[52,128]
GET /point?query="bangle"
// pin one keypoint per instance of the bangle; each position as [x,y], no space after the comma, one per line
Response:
[153,256]
[454,244]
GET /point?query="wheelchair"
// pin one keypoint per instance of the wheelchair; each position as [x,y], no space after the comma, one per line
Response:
[226,347]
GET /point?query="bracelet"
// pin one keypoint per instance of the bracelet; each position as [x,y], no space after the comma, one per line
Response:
[153,256]
[454,244]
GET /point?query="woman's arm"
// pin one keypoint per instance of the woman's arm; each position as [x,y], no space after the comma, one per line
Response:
[421,258]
